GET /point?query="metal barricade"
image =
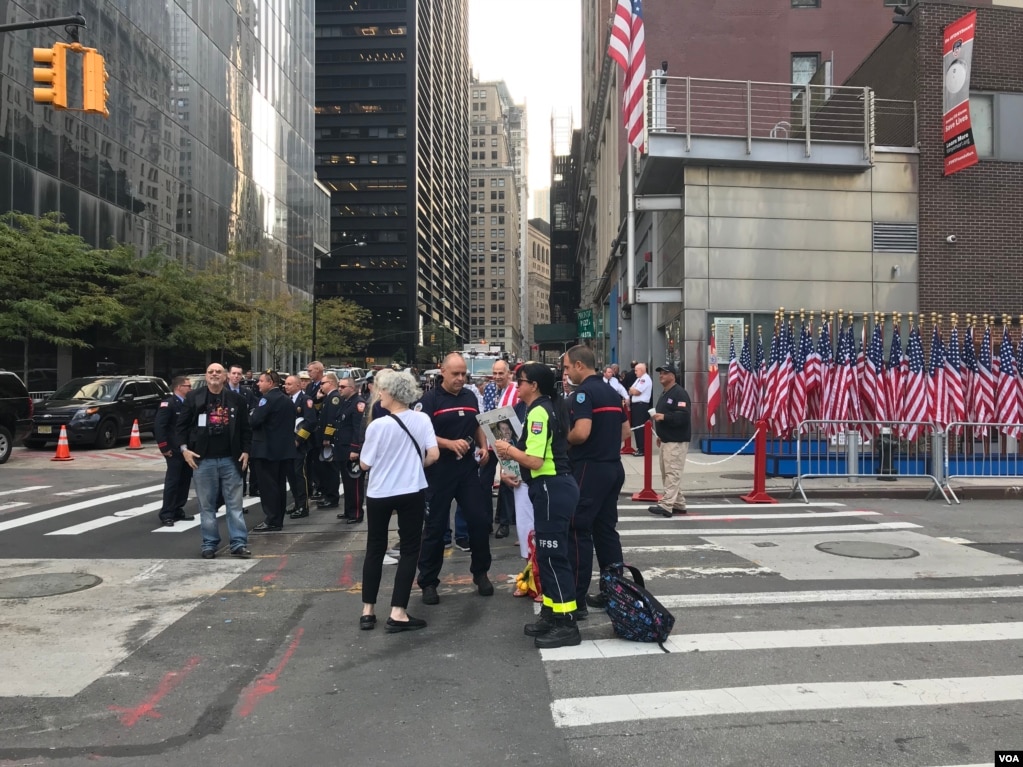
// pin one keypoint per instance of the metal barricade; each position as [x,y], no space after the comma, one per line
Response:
[883,450]
[982,450]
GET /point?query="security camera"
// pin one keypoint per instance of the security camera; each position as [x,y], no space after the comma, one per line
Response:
[951,239]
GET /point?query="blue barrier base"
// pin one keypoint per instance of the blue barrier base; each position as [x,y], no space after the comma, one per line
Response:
[785,466]
[985,466]
[724,445]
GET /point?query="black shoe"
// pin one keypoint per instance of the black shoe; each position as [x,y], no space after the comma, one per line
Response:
[638,455]
[367,622]
[328,505]
[502,531]
[659,511]
[184,517]
[209,554]
[253,494]
[354,520]
[430,596]
[242,552]
[299,513]
[564,633]
[263,527]
[244,510]
[167,522]
[412,624]
[315,495]
[462,544]
[581,613]
[543,624]
[483,585]
[596,601]
[678,511]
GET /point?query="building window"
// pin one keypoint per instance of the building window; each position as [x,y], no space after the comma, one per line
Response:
[982,118]
[804,66]
[806,3]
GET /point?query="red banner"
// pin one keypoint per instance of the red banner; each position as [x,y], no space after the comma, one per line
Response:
[957,60]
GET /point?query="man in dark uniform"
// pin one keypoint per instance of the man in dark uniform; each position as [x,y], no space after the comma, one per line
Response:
[674,431]
[305,428]
[178,478]
[315,371]
[328,470]
[347,446]
[463,447]
[236,383]
[273,449]
[598,426]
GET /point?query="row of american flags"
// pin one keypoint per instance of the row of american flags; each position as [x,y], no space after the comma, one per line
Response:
[828,374]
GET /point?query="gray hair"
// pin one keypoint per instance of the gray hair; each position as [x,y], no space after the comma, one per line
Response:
[401,386]
[330,375]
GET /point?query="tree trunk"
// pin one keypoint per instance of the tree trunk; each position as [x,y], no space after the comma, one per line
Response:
[24,360]
[150,359]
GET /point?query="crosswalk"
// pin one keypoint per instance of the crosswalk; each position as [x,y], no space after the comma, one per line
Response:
[782,649]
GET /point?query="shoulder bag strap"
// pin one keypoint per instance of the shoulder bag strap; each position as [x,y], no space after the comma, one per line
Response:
[404,428]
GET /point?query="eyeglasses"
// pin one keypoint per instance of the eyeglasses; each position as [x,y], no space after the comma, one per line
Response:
[521,381]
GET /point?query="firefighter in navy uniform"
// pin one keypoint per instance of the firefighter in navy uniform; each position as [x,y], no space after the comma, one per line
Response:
[542,452]
[328,462]
[598,427]
[305,429]
[178,478]
[455,476]
[351,431]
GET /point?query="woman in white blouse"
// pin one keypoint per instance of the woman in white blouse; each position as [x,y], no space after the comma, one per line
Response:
[396,448]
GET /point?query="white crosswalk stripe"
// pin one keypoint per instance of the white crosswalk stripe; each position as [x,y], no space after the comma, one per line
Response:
[31,489]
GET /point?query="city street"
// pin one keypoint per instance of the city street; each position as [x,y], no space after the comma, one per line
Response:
[897,642]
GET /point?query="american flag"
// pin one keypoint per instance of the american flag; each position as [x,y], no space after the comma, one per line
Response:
[1019,374]
[770,382]
[872,385]
[628,49]
[971,374]
[854,411]
[782,380]
[954,380]
[801,379]
[823,366]
[838,405]
[760,374]
[893,375]
[1006,392]
[749,388]
[937,390]
[733,392]
[984,388]
[914,400]
[713,385]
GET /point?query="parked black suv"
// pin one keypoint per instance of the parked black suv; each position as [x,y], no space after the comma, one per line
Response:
[97,410]
[15,413]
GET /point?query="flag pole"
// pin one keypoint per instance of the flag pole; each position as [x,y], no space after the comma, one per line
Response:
[630,227]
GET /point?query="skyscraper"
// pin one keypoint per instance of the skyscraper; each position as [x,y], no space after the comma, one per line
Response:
[392,137]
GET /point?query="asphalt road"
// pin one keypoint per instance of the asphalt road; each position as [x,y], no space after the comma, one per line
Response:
[783,655]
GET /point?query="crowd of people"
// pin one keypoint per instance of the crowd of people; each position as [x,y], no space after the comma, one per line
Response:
[412,453]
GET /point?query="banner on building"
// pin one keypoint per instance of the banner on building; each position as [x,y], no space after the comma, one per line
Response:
[960,150]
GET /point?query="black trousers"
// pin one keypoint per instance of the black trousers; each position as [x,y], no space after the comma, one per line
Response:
[411,510]
[298,482]
[554,500]
[455,480]
[593,527]
[355,494]
[329,478]
[638,415]
[272,489]
[176,482]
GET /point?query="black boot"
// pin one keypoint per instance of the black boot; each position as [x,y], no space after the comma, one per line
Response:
[565,633]
[543,624]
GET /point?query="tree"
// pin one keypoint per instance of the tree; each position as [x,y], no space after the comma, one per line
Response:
[279,327]
[342,327]
[53,286]
[437,341]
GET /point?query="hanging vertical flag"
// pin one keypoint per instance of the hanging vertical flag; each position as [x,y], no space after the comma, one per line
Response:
[859,362]
[760,374]
[954,383]
[1006,394]
[713,385]
[914,407]
[893,375]
[801,379]
[984,392]
[628,49]
[770,382]
[872,388]
[822,369]
[937,391]
[956,63]
[971,374]
[733,394]
[750,384]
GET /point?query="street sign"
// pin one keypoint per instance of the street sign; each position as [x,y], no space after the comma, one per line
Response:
[584,323]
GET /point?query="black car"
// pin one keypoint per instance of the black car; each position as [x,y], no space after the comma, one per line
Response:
[15,413]
[97,410]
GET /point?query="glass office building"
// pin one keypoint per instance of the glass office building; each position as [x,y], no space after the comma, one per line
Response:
[392,117]
[209,145]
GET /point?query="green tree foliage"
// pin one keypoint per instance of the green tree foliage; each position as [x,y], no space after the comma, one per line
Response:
[53,286]
[437,341]
[342,327]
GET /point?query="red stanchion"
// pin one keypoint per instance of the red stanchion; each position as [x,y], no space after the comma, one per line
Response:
[627,447]
[647,493]
[759,492]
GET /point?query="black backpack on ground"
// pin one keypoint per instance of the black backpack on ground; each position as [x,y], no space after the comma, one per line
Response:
[635,613]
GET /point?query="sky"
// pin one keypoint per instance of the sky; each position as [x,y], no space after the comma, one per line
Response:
[533,45]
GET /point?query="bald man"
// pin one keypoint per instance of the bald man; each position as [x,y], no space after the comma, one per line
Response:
[641,395]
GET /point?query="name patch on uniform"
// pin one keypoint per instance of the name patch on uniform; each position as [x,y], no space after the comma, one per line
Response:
[671,401]
[361,406]
[580,397]
[536,427]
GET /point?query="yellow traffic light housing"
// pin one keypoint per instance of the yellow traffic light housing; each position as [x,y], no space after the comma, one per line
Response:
[54,75]
[94,83]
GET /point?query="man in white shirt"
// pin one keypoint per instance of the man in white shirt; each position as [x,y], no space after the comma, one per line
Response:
[612,380]
[641,393]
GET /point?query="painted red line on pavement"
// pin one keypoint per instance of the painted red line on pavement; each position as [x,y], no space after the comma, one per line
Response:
[346,571]
[265,684]
[130,716]
[270,577]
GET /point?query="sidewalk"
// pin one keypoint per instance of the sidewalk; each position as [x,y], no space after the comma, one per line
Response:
[730,477]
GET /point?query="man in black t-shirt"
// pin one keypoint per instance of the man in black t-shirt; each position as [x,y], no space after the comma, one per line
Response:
[673,425]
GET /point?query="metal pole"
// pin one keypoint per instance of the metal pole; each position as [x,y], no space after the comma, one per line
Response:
[630,229]
[78,20]
[852,454]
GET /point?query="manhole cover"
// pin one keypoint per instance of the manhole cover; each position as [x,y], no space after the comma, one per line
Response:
[46,585]
[867,550]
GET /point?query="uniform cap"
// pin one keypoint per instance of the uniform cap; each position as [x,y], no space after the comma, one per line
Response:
[669,368]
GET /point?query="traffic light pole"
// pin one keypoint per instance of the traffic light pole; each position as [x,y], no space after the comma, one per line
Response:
[78,20]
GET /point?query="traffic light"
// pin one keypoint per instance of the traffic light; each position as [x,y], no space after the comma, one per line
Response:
[433,338]
[94,83]
[53,75]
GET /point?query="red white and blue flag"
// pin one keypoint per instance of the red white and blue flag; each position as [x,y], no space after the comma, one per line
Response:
[733,383]
[937,390]
[628,49]
[914,400]
[1006,391]
[894,375]
[955,384]
[984,382]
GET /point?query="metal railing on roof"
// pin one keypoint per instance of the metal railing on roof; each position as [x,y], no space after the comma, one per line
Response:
[753,110]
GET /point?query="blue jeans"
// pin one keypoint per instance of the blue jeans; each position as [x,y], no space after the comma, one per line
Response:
[213,477]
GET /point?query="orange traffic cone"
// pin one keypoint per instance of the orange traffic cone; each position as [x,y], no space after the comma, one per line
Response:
[63,452]
[135,442]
